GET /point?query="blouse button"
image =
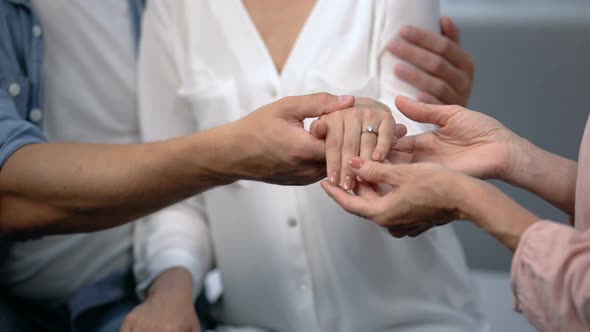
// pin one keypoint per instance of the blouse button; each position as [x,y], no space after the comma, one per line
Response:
[292,222]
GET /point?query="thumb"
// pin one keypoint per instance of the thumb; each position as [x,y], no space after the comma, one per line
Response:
[424,113]
[314,105]
[376,172]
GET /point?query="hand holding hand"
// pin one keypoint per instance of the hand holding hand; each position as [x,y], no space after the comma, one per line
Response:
[468,141]
[366,130]
[421,195]
[278,149]
[437,65]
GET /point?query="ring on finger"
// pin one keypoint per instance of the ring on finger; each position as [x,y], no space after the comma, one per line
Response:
[370,129]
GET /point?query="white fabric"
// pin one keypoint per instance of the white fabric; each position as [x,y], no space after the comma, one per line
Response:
[204,64]
[90,94]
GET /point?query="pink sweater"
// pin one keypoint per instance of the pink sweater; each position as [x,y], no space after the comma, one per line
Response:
[550,269]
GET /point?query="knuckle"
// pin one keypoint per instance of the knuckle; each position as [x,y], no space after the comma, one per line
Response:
[439,65]
[445,45]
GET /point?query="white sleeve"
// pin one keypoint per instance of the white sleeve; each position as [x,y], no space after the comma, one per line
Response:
[391,16]
[177,236]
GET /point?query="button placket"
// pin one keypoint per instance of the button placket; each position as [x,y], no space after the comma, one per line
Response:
[35,115]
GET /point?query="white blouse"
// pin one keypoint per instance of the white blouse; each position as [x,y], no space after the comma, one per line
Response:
[290,258]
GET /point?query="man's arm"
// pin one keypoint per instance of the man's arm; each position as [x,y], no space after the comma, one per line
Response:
[65,188]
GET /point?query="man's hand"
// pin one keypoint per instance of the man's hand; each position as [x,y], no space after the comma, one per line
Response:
[168,308]
[275,146]
[437,64]
[468,141]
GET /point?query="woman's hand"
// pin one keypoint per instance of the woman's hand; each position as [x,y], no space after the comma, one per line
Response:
[468,141]
[420,196]
[367,130]
[423,195]
[168,308]
[437,65]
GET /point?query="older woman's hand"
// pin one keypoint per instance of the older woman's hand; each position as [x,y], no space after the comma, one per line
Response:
[436,65]
[420,196]
[367,130]
[468,141]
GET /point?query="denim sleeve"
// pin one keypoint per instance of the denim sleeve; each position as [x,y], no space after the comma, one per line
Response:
[15,132]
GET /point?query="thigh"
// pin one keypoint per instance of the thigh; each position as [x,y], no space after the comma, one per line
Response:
[102,307]
[18,316]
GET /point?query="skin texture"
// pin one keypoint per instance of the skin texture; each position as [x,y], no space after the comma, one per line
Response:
[66,188]
[435,63]
[408,199]
[168,307]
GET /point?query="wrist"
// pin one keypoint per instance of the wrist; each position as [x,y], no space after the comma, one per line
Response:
[175,283]
[496,213]
[521,156]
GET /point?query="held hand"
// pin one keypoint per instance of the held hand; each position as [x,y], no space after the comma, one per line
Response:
[366,130]
[468,141]
[278,149]
[421,196]
[437,64]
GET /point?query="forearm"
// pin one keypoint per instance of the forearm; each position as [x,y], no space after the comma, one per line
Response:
[547,175]
[495,212]
[64,188]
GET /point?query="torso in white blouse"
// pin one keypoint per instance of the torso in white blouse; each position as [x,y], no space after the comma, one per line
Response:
[290,258]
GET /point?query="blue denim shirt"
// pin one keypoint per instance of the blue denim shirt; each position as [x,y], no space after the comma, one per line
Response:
[21,84]
[21,60]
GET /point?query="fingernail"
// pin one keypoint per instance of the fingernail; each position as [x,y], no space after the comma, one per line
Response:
[345,98]
[356,163]
[332,178]
[347,183]
[358,179]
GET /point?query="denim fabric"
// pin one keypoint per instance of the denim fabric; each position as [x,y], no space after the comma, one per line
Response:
[21,92]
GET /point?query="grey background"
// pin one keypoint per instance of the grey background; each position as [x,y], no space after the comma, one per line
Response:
[533,74]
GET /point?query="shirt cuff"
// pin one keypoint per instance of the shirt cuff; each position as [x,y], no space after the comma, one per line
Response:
[165,261]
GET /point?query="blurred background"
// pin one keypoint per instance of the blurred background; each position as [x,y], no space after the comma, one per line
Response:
[533,74]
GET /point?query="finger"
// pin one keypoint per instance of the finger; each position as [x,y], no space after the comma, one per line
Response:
[441,88]
[450,30]
[318,128]
[429,62]
[376,172]
[400,130]
[368,143]
[427,98]
[425,113]
[436,43]
[334,142]
[385,140]
[350,149]
[353,204]
[314,105]
[366,190]
[406,144]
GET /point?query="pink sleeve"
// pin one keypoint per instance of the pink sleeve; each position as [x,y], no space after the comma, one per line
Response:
[549,277]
